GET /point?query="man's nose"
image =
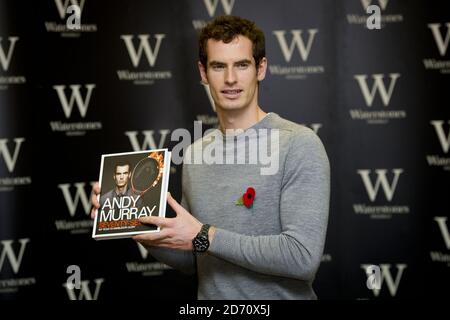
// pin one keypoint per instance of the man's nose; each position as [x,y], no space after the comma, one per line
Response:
[230,76]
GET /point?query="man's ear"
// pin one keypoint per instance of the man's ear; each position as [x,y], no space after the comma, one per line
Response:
[262,68]
[202,70]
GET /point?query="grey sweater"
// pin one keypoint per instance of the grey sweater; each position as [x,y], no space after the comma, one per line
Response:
[273,249]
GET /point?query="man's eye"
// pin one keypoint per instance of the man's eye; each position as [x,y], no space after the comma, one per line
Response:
[218,67]
[242,65]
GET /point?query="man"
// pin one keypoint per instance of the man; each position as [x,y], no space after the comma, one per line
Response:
[247,235]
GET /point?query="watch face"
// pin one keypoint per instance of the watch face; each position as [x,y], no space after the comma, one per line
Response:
[201,244]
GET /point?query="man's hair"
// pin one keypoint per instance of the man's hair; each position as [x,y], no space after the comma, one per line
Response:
[121,164]
[227,28]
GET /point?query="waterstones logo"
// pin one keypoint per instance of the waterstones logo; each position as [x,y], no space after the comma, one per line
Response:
[441,43]
[373,190]
[443,135]
[146,268]
[5,56]
[443,227]
[76,97]
[439,256]
[298,48]
[441,36]
[377,276]
[143,251]
[148,140]
[11,257]
[67,105]
[9,160]
[212,9]
[382,88]
[8,254]
[149,76]
[386,18]
[7,47]
[144,46]
[211,6]
[9,154]
[76,197]
[64,9]
[87,291]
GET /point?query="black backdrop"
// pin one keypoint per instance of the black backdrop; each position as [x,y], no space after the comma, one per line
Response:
[378,99]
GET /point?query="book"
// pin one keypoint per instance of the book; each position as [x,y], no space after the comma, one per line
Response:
[133,185]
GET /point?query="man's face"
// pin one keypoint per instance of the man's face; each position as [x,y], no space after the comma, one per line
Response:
[122,175]
[232,74]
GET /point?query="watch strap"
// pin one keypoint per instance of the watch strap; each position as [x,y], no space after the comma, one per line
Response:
[204,230]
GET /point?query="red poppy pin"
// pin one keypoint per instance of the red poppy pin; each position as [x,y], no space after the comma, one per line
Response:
[247,198]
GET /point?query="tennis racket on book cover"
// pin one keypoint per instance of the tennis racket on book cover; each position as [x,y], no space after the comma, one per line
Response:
[147,172]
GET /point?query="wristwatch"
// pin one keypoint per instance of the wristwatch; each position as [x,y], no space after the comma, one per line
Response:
[201,242]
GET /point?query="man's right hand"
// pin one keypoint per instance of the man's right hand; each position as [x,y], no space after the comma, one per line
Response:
[95,204]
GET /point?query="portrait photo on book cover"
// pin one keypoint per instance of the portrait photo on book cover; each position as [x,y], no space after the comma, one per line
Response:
[133,185]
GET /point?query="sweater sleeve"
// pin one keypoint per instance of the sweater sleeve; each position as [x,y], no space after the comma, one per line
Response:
[181,260]
[304,204]
[178,259]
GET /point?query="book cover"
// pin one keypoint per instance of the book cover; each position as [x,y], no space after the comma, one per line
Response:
[133,185]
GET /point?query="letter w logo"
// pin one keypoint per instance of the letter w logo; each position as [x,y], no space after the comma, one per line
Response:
[382,3]
[382,181]
[143,251]
[14,260]
[296,42]
[80,194]
[442,223]
[443,138]
[211,6]
[149,140]
[144,45]
[75,97]
[440,43]
[5,59]
[62,8]
[378,85]
[4,151]
[386,277]
[85,292]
